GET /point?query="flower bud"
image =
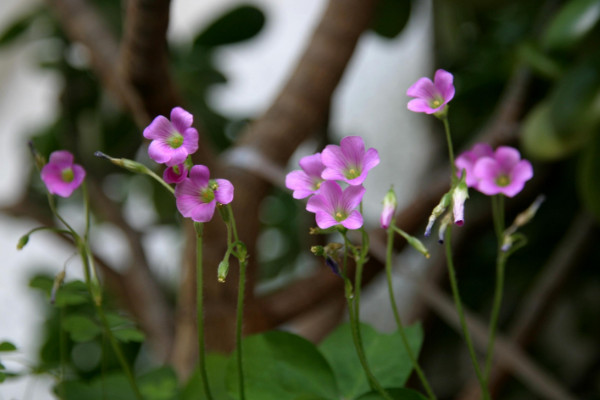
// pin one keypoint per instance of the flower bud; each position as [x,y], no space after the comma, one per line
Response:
[389,208]
[459,195]
[447,220]
[58,281]
[318,251]
[22,242]
[222,271]
[437,211]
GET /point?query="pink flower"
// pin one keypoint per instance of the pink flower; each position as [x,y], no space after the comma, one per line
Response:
[307,181]
[60,175]
[175,173]
[504,172]
[348,162]
[431,97]
[389,208]
[197,196]
[174,140]
[466,161]
[333,206]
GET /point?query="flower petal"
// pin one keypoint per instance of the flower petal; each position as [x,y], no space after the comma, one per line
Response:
[190,140]
[443,81]
[420,105]
[224,192]
[159,128]
[61,158]
[200,174]
[181,119]
[351,198]
[353,221]
[300,183]
[353,149]
[507,157]
[312,165]
[159,151]
[422,89]
[325,220]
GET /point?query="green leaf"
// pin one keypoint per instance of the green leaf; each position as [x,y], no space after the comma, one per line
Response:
[572,23]
[107,386]
[81,327]
[17,28]
[589,177]
[237,25]
[2,377]
[7,346]
[397,394]
[216,366]
[123,328]
[159,384]
[391,17]
[282,366]
[385,353]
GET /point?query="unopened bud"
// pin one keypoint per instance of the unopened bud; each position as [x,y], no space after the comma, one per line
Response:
[447,220]
[389,208]
[222,271]
[58,281]
[129,165]
[331,263]
[318,251]
[530,212]
[38,159]
[459,195]
[437,211]
[22,242]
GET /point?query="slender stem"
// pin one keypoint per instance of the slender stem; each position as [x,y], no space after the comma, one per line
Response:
[413,359]
[85,256]
[157,178]
[241,256]
[63,352]
[459,309]
[450,148]
[200,311]
[498,215]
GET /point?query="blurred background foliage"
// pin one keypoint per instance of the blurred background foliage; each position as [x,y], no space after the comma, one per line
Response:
[483,43]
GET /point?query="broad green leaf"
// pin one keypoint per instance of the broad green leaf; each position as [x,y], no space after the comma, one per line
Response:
[572,23]
[216,367]
[128,334]
[159,384]
[282,366]
[391,17]
[7,346]
[237,25]
[110,386]
[81,327]
[539,138]
[2,377]
[17,28]
[589,177]
[385,353]
[71,293]
[397,394]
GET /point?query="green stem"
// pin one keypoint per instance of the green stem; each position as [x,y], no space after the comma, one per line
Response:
[85,256]
[200,311]
[450,148]
[459,309]
[241,256]
[63,352]
[413,359]
[498,215]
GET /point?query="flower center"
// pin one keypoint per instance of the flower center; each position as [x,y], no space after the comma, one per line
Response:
[502,180]
[340,216]
[207,195]
[352,173]
[317,185]
[176,140]
[176,170]
[67,175]
[436,103]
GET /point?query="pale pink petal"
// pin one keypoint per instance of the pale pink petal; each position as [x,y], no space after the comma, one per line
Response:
[160,128]
[334,161]
[200,174]
[316,203]
[300,183]
[190,140]
[522,172]
[351,197]
[203,212]
[371,159]
[486,168]
[61,158]
[353,148]
[181,119]
[423,89]
[78,175]
[159,151]
[325,220]
[177,156]
[507,157]
[170,176]
[353,221]
[312,165]
[443,81]
[224,192]
[420,105]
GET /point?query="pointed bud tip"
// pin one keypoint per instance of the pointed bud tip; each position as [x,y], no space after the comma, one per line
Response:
[101,155]
[459,222]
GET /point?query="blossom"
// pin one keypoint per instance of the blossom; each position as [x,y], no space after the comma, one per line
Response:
[332,206]
[389,207]
[504,172]
[307,181]
[174,140]
[466,161]
[431,97]
[197,196]
[348,162]
[175,173]
[61,176]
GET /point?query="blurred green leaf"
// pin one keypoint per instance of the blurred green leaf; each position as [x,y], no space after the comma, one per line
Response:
[107,386]
[572,23]
[391,17]
[282,366]
[2,377]
[385,353]
[216,367]
[539,138]
[159,384]
[397,394]
[17,28]
[589,177]
[7,346]
[81,327]
[237,25]
[539,61]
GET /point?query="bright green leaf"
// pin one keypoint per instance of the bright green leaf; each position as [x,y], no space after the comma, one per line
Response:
[109,386]
[81,327]
[216,367]
[282,366]
[589,177]
[2,377]
[129,335]
[391,17]
[397,394]
[7,346]
[572,23]
[237,25]
[385,353]
[159,384]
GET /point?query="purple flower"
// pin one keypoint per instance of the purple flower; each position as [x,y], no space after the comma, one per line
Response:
[333,206]
[197,196]
[175,173]
[431,97]
[389,207]
[174,140]
[307,181]
[348,162]
[60,175]
[504,172]
[466,161]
